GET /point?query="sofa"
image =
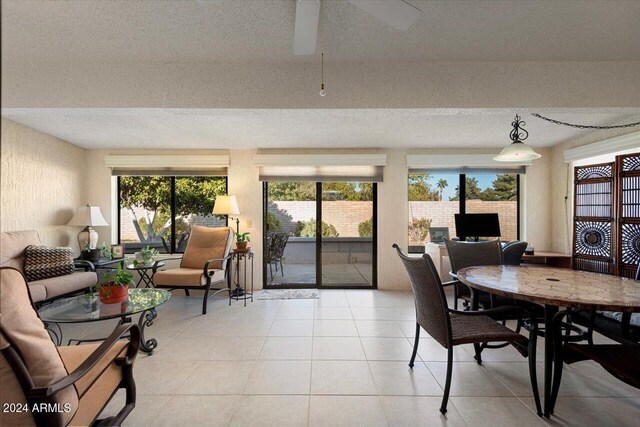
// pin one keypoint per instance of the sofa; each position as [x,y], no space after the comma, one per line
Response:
[12,247]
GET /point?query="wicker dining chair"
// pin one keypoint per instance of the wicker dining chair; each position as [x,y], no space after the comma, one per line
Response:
[452,327]
[512,252]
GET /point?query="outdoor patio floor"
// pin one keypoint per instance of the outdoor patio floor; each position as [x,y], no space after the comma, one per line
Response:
[359,274]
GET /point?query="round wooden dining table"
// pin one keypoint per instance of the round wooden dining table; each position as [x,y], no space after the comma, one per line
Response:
[554,288]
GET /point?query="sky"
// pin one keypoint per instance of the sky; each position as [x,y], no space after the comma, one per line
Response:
[484,182]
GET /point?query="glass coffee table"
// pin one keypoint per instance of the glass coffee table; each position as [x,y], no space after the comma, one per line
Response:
[88,308]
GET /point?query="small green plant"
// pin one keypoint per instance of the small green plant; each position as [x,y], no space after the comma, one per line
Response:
[365,228]
[308,229]
[273,223]
[105,251]
[243,238]
[146,255]
[119,277]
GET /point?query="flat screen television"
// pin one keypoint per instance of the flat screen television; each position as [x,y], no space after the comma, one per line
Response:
[477,225]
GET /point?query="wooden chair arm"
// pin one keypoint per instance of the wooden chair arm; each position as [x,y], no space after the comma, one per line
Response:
[93,359]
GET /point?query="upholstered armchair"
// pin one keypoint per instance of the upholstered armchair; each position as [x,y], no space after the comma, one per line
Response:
[57,386]
[205,263]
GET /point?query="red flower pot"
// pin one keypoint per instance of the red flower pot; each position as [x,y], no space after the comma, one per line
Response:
[113,294]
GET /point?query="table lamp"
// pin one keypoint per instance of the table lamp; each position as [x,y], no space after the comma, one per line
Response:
[88,217]
[227,205]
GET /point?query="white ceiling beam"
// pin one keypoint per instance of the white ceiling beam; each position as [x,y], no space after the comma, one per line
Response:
[306,27]
[397,13]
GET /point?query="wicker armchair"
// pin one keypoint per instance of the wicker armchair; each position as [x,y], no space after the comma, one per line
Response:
[451,327]
[471,254]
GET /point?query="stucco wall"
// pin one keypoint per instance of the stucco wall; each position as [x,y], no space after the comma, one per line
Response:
[43,182]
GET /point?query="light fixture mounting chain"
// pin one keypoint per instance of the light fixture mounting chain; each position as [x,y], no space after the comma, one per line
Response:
[518,133]
[558,122]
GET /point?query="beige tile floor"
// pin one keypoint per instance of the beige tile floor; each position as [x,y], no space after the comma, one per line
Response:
[340,361]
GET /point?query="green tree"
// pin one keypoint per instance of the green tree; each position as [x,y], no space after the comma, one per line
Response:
[194,195]
[420,188]
[442,184]
[365,228]
[273,223]
[292,191]
[505,188]
[308,229]
[472,189]
[419,230]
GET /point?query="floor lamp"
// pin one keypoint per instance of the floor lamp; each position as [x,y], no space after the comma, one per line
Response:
[228,205]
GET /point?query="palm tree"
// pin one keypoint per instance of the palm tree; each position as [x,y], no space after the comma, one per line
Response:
[442,184]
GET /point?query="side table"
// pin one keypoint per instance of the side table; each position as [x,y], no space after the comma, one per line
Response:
[246,259]
[143,271]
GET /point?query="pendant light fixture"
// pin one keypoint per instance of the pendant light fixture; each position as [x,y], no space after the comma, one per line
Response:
[322,91]
[517,150]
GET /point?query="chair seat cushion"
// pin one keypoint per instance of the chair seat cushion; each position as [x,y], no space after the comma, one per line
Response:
[61,285]
[98,386]
[478,329]
[177,277]
[74,355]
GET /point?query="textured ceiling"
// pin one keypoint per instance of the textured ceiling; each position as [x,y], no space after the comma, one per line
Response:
[304,128]
[262,31]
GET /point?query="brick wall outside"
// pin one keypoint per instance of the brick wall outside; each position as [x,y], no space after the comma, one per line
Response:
[442,214]
[344,216]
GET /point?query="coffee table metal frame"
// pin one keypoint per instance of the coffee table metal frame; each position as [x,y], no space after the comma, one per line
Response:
[145,320]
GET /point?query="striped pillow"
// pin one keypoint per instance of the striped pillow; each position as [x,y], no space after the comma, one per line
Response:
[41,262]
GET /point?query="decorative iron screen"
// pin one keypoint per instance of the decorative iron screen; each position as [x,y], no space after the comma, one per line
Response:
[628,214]
[593,218]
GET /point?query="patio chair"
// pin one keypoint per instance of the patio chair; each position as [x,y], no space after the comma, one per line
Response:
[74,383]
[452,327]
[206,262]
[275,252]
[471,254]
[512,252]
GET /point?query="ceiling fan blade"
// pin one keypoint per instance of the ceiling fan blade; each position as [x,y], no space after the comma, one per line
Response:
[397,13]
[306,28]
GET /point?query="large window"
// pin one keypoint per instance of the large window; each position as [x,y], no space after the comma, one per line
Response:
[435,198]
[159,211]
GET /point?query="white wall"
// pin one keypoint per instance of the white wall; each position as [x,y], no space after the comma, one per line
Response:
[43,182]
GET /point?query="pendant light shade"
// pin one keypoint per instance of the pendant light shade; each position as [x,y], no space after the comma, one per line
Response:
[517,150]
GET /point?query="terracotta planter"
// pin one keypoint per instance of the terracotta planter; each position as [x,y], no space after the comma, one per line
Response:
[242,246]
[113,294]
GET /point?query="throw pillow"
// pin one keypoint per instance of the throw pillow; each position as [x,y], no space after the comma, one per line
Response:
[41,262]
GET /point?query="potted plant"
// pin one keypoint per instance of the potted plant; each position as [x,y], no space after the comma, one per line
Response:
[242,240]
[115,286]
[145,255]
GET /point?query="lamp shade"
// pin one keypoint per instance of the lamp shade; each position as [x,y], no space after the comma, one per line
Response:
[516,151]
[88,216]
[226,205]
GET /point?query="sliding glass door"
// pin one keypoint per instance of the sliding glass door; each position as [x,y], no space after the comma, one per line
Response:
[320,234]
